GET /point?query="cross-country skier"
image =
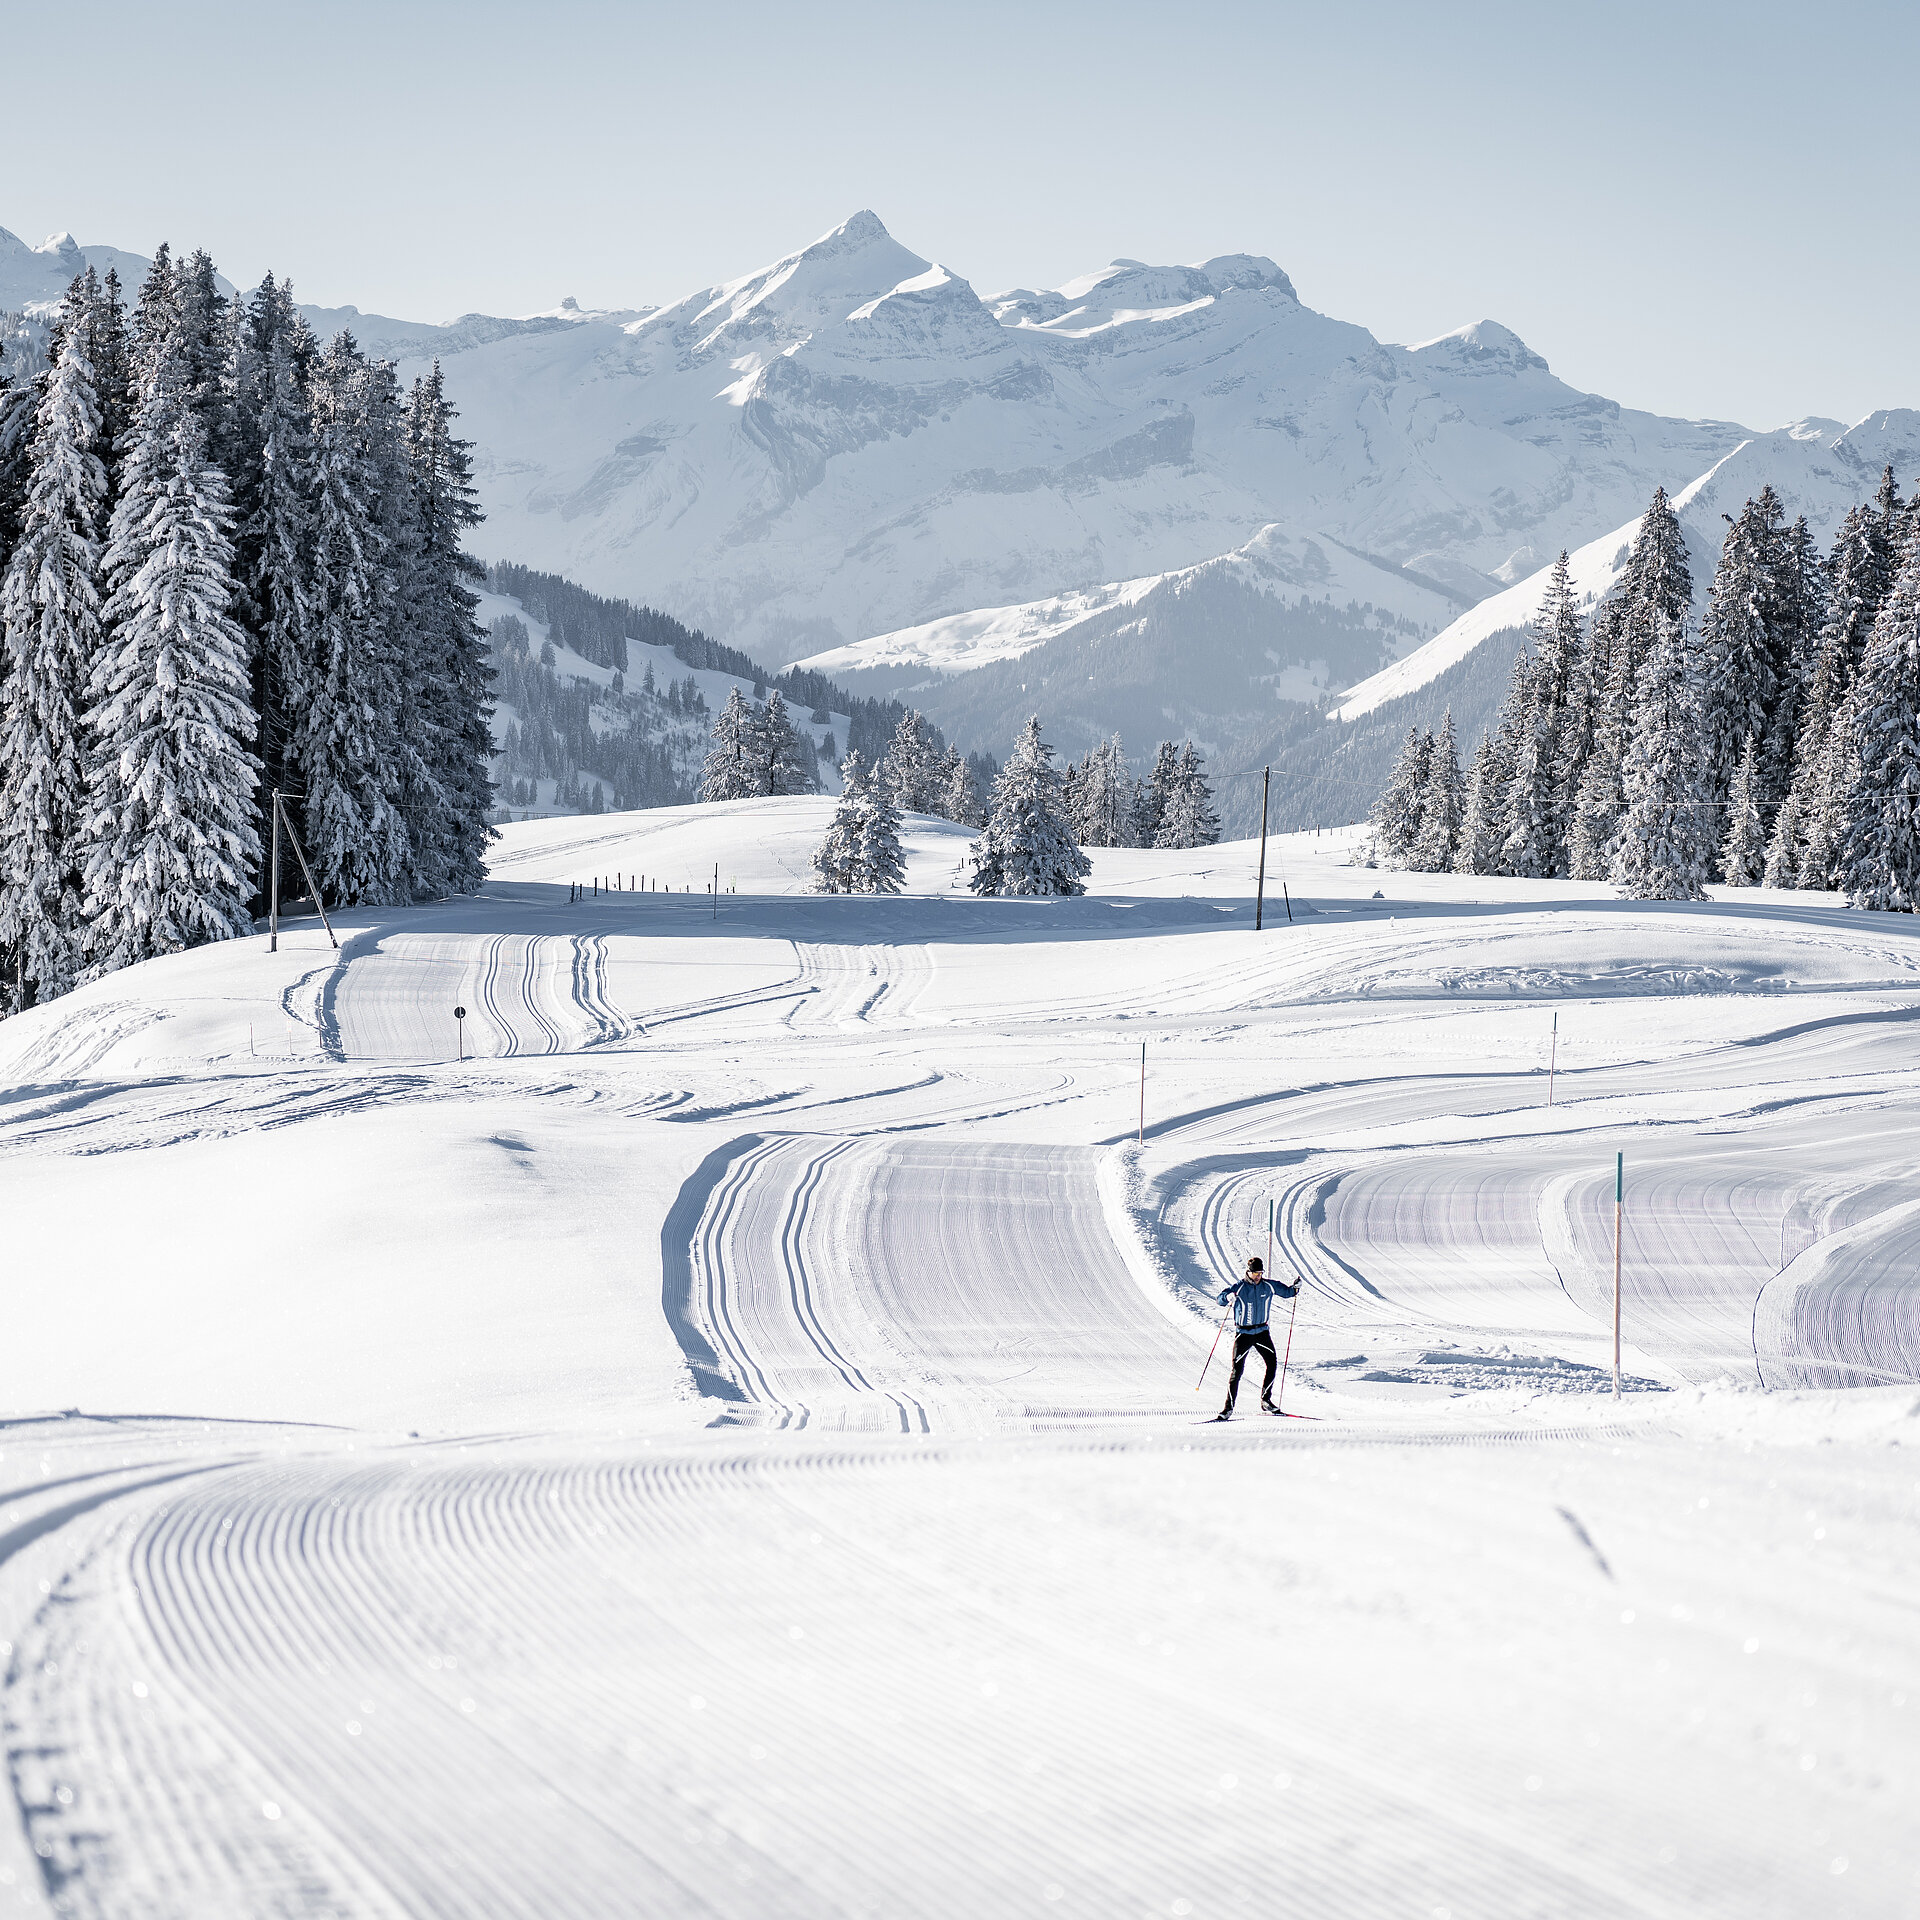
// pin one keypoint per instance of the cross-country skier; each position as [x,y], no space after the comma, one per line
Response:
[1251,1299]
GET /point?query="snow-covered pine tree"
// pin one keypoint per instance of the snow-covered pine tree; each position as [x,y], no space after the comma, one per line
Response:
[1188,818]
[343,751]
[1073,786]
[1878,858]
[911,767]
[732,771]
[1585,704]
[275,488]
[1739,651]
[1442,806]
[1480,844]
[447,665]
[836,860]
[1510,734]
[1660,851]
[1800,612]
[1397,812]
[882,866]
[207,336]
[960,792]
[1027,845]
[1594,800]
[1536,831]
[786,762]
[113,381]
[1106,801]
[1743,852]
[1154,790]
[171,857]
[50,609]
[1809,827]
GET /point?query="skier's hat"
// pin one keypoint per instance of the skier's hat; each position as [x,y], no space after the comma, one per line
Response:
[1254,1266]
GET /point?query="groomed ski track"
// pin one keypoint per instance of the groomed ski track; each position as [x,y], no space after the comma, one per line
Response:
[764,1479]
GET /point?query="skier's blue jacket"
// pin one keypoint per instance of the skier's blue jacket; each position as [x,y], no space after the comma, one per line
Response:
[1253,1299]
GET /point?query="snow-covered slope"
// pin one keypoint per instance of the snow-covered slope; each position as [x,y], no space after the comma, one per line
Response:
[1817,467]
[1274,564]
[850,442]
[730,1441]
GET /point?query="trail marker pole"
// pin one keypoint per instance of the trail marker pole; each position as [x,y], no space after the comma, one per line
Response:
[1553,1055]
[460,1028]
[1143,1093]
[1288,898]
[273,908]
[1619,1200]
[1260,886]
[716,890]
[1269,1236]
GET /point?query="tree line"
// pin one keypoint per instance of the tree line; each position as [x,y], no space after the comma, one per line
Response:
[230,562]
[1775,741]
[1036,821]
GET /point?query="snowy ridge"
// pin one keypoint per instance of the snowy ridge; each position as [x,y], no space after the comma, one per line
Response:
[1273,562]
[1817,467]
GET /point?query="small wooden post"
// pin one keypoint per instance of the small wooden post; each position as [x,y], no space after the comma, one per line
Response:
[1143,1093]
[1619,1200]
[1553,1055]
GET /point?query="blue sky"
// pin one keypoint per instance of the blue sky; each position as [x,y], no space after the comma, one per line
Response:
[1699,208]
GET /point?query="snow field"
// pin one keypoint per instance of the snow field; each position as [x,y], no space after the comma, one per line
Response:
[729,1445]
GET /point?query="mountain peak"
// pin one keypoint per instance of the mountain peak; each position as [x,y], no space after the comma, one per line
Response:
[1485,343]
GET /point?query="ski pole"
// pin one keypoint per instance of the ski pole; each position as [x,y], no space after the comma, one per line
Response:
[1211,1351]
[1280,1400]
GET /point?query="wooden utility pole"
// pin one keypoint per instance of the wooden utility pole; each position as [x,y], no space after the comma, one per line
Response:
[1260,886]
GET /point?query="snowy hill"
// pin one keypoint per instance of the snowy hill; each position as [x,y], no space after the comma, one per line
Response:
[712,1430]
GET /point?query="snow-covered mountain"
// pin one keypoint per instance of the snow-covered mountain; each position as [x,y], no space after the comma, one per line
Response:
[851,441]
[1817,467]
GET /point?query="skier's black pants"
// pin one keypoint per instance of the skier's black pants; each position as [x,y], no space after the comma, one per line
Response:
[1252,1340]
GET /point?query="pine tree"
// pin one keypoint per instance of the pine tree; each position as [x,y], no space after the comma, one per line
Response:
[1742,853]
[1740,649]
[1101,803]
[1398,812]
[1443,805]
[1536,831]
[882,866]
[785,763]
[837,859]
[1154,791]
[732,771]
[343,751]
[1188,818]
[172,852]
[50,606]
[1511,733]
[910,770]
[1660,851]
[1878,857]
[1027,845]
[1800,612]
[1585,706]
[448,674]
[960,795]
[1479,847]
